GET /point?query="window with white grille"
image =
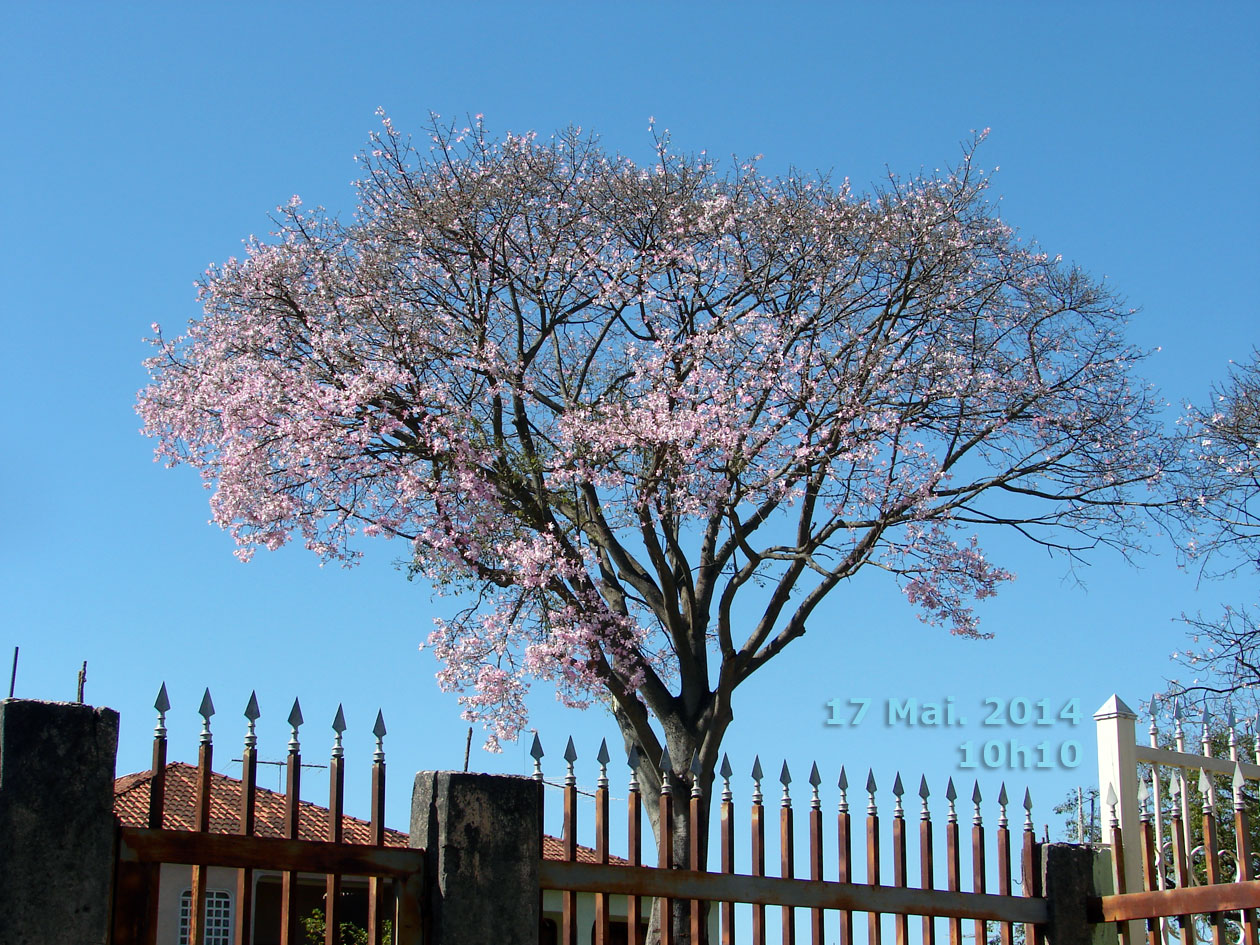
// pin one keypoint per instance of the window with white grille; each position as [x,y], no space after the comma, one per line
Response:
[217,929]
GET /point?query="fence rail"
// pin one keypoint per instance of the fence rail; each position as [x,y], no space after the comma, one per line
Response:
[776,891]
[142,845]
[1170,902]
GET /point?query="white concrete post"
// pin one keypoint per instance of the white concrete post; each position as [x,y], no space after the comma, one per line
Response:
[1117,767]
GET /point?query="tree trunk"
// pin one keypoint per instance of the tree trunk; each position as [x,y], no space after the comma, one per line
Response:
[682,745]
[680,832]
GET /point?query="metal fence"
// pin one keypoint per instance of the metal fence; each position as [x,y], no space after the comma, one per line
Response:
[1168,810]
[142,850]
[938,893]
[912,885]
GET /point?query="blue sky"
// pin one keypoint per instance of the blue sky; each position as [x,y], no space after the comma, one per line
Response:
[145,141]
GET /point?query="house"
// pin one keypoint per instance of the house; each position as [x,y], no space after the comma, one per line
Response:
[131,806]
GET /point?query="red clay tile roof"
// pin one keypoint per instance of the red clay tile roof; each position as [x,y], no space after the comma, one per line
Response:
[131,804]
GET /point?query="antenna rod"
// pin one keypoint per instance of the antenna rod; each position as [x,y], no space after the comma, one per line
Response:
[13,675]
[82,681]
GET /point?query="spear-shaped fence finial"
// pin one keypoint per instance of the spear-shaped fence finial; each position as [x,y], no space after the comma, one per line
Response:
[163,705]
[924,794]
[1206,789]
[726,771]
[843,784]
[697,769]
[951,795]
[632,759]
[870,792]
[898,789]
[815,779]
[295,722]
[1111,800]
[1143,796]
[1028,821]
[205,711]
[1238,783]
[785,778]
[756,776]
[378,730]
[1231,723]
[252,715]
[338,726]
[570,756]
[1003,800]
[975,800]
[666,769]
[1205,737]
[603,758]
[536,752]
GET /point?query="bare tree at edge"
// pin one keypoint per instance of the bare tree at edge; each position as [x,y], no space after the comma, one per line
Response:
[1223,509]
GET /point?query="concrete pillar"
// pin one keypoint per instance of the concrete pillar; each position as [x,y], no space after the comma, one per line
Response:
[56,822]
[1071,875]
[482,840]
[1117,768]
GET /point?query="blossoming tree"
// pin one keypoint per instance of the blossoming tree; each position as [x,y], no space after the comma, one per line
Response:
[646,419]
